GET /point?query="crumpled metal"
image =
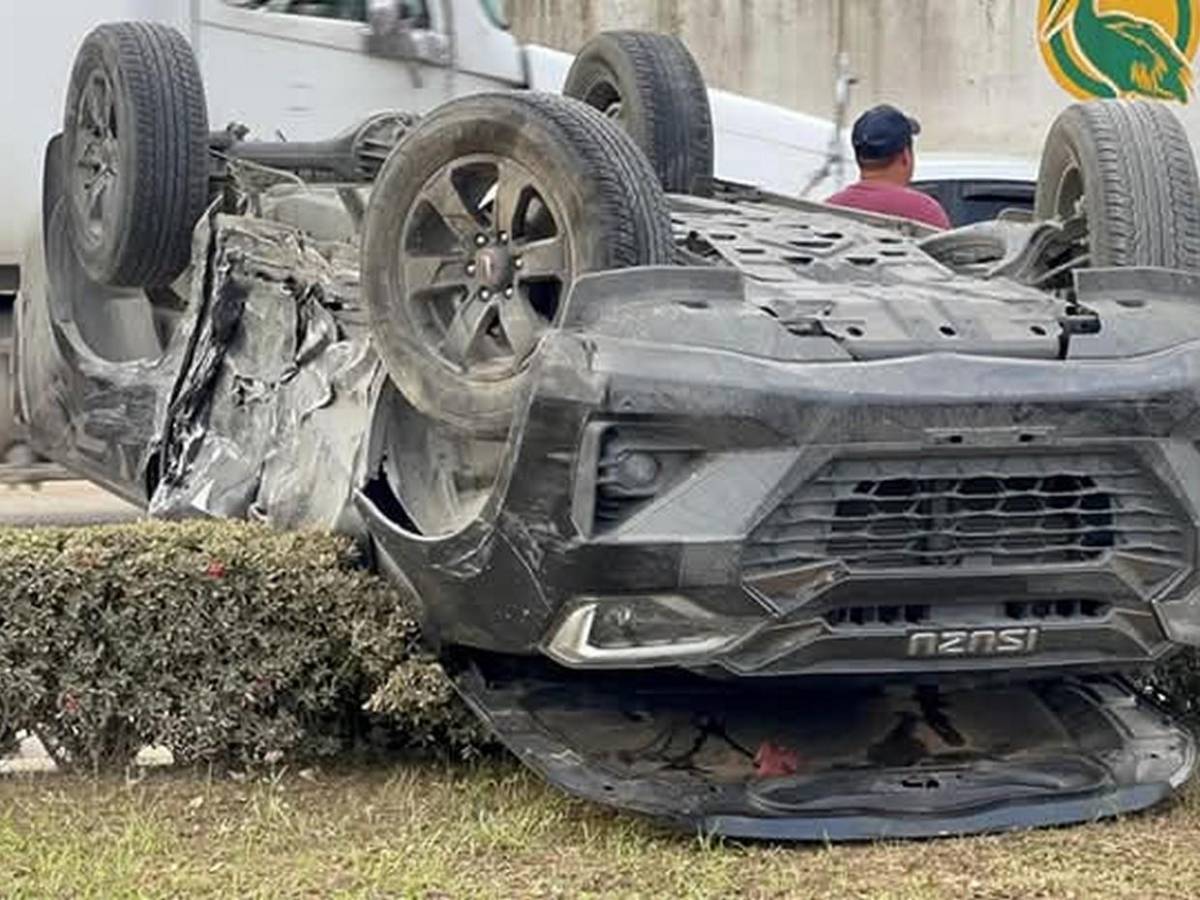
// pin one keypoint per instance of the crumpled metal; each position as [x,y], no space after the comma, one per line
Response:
[268,416]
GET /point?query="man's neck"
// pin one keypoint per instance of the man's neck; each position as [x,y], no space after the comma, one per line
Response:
[884,177]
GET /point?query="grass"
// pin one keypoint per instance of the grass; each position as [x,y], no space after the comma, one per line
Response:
[491,830]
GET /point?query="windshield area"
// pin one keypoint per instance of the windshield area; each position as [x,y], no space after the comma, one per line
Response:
[497,11]
[327,9]
[358,10]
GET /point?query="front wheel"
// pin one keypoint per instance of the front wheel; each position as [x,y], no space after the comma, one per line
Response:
[478,226]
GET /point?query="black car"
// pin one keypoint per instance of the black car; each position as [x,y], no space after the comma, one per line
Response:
[765,517]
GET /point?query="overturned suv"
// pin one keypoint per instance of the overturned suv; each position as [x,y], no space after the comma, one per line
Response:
[763,517]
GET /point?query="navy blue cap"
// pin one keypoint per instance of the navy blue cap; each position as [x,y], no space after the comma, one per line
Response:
[882,132]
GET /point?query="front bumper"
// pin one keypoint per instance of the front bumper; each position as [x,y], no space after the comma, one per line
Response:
[986,533]
[1098,574]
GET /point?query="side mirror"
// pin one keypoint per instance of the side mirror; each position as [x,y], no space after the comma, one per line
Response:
[402,29]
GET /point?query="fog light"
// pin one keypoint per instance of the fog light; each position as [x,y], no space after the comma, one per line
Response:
[629,632]
[636,470]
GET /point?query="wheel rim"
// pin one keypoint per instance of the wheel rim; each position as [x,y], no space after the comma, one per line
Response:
[1068,197]
[95,169]
[485,261]
[605,96]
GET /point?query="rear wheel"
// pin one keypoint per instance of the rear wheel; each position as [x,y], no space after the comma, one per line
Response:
[650,85]
[8,396]
[1127,169]
[135,153]
[479,224]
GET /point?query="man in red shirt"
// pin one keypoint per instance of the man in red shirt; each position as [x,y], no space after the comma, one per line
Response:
[883,145]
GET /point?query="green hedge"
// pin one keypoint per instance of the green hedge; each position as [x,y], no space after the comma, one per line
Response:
[228,643]
[232,644]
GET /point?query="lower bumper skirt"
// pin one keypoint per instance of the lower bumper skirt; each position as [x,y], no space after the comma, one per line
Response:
[790,763]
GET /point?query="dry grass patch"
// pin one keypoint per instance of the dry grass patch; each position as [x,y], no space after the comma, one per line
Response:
[421,829]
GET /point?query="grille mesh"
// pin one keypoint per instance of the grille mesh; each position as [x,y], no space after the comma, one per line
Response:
[970,511]
[903,615]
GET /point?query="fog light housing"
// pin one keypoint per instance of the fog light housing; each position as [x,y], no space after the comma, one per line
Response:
[639,631]
[632,467]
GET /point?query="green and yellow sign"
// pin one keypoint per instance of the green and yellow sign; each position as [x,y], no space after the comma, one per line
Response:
[1121,48]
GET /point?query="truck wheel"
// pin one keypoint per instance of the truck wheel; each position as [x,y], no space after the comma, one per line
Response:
[135,148]
[1128,168]
[52,183]
[478,225]
[8,395]
[650,84]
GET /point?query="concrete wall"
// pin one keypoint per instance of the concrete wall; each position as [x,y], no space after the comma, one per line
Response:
[970,69]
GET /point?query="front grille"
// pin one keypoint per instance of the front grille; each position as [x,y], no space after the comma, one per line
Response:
[903,615]
[876,615]
[979,511]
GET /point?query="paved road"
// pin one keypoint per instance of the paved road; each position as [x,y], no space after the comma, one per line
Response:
[62,503]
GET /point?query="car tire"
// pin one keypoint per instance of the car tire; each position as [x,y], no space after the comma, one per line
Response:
[651,84]
[135,151]
[8,394]
[1128,166]
[52,182]
[460,288]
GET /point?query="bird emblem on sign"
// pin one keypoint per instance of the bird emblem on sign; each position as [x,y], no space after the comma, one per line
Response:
[1121,48]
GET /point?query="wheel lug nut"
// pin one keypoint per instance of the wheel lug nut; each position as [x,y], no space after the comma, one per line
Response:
[504,237]
[471,269]
[519,263]
[508,292]
[480,240]
[484,294]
